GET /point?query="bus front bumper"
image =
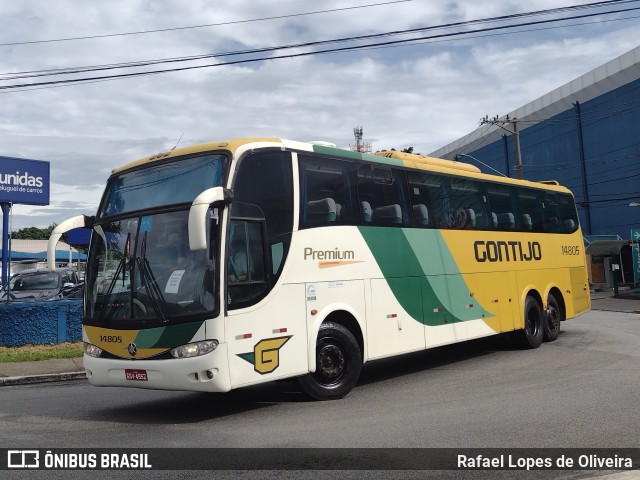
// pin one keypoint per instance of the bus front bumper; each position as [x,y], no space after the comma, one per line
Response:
[205,373]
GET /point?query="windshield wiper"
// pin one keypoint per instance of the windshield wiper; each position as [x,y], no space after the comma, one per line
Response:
[121,267]
[149,280]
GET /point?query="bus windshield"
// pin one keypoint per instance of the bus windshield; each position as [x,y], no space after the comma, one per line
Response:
[162,184]
[141,269]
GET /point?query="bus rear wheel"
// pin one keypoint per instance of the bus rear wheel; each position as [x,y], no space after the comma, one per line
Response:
[338,364]
[553,317]
[532,334]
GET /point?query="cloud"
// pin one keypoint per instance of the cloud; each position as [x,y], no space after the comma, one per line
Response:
[423,95]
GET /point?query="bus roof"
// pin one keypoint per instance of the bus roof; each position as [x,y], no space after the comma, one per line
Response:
[430,161]
[385,157]
[229,145]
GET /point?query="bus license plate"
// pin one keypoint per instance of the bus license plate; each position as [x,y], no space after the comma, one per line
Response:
[138,375]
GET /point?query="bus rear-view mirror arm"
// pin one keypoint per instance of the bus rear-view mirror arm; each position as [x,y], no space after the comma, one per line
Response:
[81,221]
[198,214]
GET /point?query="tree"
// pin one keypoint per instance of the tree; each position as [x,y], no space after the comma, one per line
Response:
[33,233]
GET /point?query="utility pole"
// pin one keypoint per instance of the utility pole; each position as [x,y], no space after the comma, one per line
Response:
[500,122]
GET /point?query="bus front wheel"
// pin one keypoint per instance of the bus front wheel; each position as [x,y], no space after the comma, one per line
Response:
[533,332]
[338,364]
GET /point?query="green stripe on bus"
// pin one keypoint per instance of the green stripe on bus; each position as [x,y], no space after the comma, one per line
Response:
[149,337]
[340,153]
[443,275]
[175,335]
[422,274]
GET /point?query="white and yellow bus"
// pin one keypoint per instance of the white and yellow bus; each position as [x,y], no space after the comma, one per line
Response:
[233,263]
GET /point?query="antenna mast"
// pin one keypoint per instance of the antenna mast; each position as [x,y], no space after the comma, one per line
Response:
[360,146]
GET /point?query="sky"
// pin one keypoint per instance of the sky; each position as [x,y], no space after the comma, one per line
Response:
[422,94]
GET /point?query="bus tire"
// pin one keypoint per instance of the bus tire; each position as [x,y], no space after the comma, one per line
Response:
[338,364]
[532,334]
[553,317]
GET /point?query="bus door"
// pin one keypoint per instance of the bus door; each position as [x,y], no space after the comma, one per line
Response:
[265,323]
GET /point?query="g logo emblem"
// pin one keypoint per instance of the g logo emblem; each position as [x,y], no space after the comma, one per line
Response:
[132,349]
[266,354]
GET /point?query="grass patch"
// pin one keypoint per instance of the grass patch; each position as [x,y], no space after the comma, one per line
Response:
[30,353]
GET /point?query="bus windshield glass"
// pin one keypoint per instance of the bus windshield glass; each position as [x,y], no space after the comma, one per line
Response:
[142,270]
[161,184]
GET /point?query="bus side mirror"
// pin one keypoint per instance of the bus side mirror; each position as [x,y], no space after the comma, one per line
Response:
[198,215]
[81,221]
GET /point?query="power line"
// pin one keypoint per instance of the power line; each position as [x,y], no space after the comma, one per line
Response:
[353,38]
[588,118]
[69,70]
[172,29]
[408,43]
[612,180]
[307,44]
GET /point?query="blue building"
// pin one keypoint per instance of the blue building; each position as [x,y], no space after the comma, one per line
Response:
[585,135]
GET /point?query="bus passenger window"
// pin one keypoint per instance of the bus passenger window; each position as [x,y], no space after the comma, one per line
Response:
[531,205]
[246,277]
[567,213]
[238,268]
[326,193]
[466,206]
[263,189]
[323,210]
[506,221]
[367,213]
[382,193]
[493,220]
[502,206]
[256,252]
[420,215]
[471,218]
[427,198]
[560,213]
[388,215]
[277,255]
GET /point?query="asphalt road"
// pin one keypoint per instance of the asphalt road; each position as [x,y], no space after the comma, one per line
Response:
[581,391]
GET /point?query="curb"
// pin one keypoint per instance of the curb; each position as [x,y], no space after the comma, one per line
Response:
[49,377]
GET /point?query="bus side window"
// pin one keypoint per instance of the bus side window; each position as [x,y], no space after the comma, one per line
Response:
[426,196]
[467,206]
[263,190]
[560,213]
[238,258]
[501,205]
[567,213]
[277,255]
[530,205]
[245,262]
[326,192]
[383,189]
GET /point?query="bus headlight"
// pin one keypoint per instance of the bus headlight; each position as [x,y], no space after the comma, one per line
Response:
[195,349]
[92,350]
